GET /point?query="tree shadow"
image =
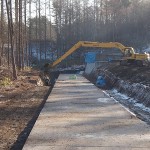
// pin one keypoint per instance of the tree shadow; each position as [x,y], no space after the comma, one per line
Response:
[25,133]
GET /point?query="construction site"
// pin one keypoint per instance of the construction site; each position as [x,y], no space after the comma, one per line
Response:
[74,75]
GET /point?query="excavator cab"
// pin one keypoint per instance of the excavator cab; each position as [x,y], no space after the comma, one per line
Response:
[128,51]
[136,59]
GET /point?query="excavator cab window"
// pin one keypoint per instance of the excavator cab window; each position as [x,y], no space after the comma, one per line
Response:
[128,52]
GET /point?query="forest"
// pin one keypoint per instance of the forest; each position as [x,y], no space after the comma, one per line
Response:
[53,26]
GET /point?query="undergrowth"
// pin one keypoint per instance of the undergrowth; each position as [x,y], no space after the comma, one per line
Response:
[6,81]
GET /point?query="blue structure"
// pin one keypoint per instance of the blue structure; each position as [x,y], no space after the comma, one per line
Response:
[90,57]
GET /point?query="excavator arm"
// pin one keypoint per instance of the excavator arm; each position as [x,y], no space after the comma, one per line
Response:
[92,45]
[69,52]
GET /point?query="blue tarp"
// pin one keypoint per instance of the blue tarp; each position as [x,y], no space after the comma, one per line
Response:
[101,81]
[90,57]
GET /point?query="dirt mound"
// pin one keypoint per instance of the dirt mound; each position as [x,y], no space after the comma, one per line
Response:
[132,74]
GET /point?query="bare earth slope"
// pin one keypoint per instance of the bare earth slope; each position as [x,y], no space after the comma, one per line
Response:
[130,85]
[132,73]
[19,103]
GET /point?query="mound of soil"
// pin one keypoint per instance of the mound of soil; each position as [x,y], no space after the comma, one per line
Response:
[132,74]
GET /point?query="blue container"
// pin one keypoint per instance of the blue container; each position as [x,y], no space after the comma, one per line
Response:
[90,57]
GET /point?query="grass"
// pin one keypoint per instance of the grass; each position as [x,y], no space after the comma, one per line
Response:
[6,81]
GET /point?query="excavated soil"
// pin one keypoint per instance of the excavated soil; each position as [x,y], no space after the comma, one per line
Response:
[20,104]
[115,75]
[132,74]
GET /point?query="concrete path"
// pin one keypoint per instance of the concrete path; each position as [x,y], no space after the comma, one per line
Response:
[79,116]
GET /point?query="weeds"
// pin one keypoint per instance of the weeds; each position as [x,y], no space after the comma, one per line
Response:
[6,81]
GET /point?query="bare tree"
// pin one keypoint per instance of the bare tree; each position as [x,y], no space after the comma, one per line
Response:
[2,32]
[20,50]
[25,31]
[11,31]
[16,31]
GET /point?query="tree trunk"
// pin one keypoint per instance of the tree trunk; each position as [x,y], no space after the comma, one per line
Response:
[25,30]
[10,28]
[16,32]
[2,35]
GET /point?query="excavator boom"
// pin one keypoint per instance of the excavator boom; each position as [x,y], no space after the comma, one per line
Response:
[92,45]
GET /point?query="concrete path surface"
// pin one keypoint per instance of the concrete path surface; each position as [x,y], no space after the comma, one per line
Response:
[79,116]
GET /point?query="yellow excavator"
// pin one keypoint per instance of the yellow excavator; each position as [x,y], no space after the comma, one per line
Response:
[129,56]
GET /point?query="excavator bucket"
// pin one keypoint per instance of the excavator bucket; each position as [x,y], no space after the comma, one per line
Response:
[44,76]
[47,76]
[43,80]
